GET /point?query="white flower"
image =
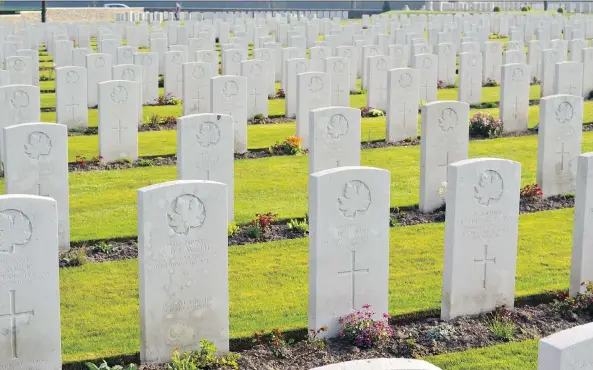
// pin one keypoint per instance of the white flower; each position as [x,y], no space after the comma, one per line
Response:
[443,190]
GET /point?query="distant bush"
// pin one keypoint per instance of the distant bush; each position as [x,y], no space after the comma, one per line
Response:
[560,10]
[524,9]
[496,9]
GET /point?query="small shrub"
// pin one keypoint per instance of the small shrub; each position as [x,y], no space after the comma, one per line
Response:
[314,340]
[203,358]
[484,125]
[371,112]
[292,145]
[281,94]
[259,119]
[167,100]
[502,327]
[441,332]
[75,257]
[590,96]
[122,161]
[144,163]
[496,9]
[580,303]
[532,191]
[264,220]
[103,247]
[491,83]
[232,229]
[560,10]
[155,120]
[275,341]
[161,81]
[169,120]
[254,232]
[524,9]
[104,366]
[301,227]
[361,330]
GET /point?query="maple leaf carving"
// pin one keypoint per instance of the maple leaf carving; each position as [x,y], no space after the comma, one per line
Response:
[357,198]
[208,134]
[565,112]
[489,187]
[448,119]
[315,84]
[38,144]
[405,80]
[230,89]
[337,126]
[188,212]
[15,230]
[19,99]
[119,94]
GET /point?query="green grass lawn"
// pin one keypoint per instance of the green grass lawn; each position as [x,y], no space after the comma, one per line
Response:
[103,203]
[507,356]
[269,286]
[259,136]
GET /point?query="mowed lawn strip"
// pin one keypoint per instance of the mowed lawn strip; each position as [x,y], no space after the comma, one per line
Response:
[155,143]
[507,356]
[269,284]
[103,203]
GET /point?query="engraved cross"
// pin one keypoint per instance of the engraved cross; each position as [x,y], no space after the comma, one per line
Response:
[119,129]
[14,316]
[39,191]
[255,94]
[562,153]
[485,261]
[404,113]
[425,87]
[197,101]
[352,272]
[446,164]
[72,107]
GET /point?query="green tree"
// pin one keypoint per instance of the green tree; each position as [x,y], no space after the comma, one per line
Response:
[386,6]
[545,5]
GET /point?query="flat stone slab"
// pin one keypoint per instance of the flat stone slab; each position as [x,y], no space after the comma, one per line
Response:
[381,364]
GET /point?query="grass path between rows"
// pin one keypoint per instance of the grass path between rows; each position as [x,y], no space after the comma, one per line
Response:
[103,203]
[269,286]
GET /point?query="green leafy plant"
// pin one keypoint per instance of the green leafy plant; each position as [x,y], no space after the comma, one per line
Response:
[232,229]
[371,112]
[275,341]
[105,366]
[167,100]
[103,247]
[441,332]
[496,9]
[580,303]
[169,120]
[291,146]
[301,227]
[254,232]
[154,120]
[144,163]
[491,83]
[502,327]
[203,358]
[76,257]
[376,113]
[264,220]
[259,119]
[560,10]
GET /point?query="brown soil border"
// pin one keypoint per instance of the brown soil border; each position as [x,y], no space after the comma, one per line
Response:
[127,247]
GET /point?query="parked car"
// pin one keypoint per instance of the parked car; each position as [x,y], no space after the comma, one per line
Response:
[115,6]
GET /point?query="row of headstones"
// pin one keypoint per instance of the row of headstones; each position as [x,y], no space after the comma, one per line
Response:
[200,16]
[183,258]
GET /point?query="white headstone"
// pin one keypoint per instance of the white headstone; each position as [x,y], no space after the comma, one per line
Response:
[377,67]
[205,151]
[587,71]
[492,61]
[150,76]
[569,78]
[183,262]
[30,296]
[21,70]
[18,104]
[334,138]
[470,78]
[196,87]
[514,97]
[313,91]
[130,72]
[98,70]
[559,143]
[427,64]
[403,97]
[118,119]
[444,140]
[36,163]
[550,57]
[228,95]
[447,63]
[481,230]
[293,68]
[348,244]
[257,86]
[338,69]
[568,349]
[71,97]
